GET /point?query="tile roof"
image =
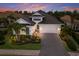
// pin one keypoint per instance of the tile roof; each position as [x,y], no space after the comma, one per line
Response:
[48,19]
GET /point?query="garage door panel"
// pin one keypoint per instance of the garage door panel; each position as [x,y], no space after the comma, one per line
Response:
[49,28]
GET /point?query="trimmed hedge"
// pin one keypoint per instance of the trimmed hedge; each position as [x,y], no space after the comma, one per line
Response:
[24,39]
[64,36]
[76,37]
[71,32]
[71,45]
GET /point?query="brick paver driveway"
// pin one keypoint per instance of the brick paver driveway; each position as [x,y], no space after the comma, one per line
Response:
[52,46]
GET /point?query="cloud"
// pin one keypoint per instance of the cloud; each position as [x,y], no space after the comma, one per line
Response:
[25,7]
[70,8]
[6,9]
[31,7]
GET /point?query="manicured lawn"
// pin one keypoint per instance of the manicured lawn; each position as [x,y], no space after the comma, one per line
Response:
[30,46]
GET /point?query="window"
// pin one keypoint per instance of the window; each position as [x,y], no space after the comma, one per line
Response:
[23,30]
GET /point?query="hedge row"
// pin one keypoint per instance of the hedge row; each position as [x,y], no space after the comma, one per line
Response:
[71,32]
[23,39]
[64,36]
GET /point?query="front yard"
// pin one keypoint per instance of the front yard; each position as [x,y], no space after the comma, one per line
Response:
[26,42]
[29,46]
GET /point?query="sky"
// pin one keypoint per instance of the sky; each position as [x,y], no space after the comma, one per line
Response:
[39,6]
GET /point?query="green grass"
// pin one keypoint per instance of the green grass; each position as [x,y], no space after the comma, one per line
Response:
[30,46]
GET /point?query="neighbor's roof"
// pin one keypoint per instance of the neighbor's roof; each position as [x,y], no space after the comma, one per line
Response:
[22,21]
[48,19]
[66,18]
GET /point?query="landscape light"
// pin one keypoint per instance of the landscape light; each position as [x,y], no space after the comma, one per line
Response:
[59,29]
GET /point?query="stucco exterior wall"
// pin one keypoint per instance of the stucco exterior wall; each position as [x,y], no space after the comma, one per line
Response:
[31,29]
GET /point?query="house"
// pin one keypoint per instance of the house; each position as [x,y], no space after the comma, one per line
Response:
[67,20]
[43,23]
[3,25]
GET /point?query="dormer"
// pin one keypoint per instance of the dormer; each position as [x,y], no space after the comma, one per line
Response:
[37,17]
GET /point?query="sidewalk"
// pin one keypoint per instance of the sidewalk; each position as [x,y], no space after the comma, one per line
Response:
[11,52]
[74,53]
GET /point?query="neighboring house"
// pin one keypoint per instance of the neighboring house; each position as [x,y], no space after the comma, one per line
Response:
[3,25]
[67,20]
[44,23]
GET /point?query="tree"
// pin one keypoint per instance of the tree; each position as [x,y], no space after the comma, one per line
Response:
[50,13]
[3,20]
[20,12]
[68,12]
[25,13]
[75,12]
[59,14]
[12,17]
[16,27]
[16,11]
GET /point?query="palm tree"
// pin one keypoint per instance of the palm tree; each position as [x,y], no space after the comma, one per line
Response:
[12,17]
[15,27]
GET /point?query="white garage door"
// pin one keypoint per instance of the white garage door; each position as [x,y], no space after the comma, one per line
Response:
[49,28]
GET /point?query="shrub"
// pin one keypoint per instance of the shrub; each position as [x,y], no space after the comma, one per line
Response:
[36,39]
[64,36]
[76,37]
[24,39]
[71,45]
[12,39]
[2,39]
[67,30]
[72,33]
